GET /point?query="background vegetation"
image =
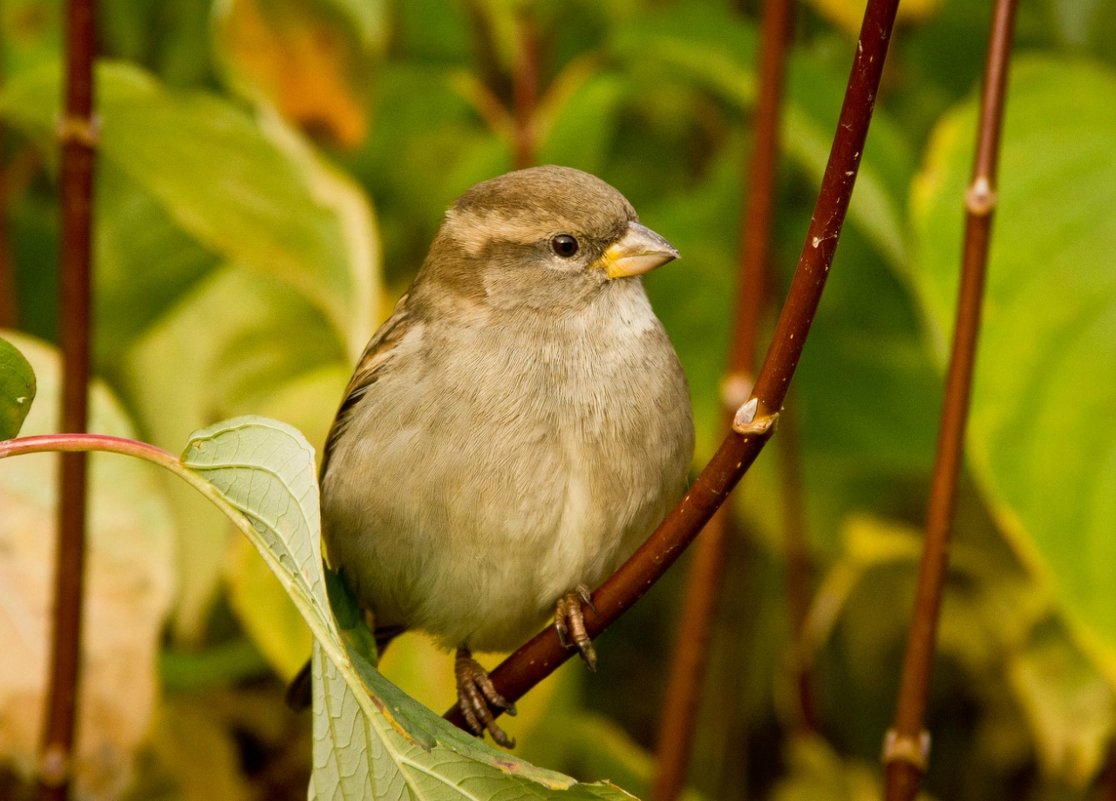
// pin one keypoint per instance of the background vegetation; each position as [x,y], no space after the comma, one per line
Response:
[270,174]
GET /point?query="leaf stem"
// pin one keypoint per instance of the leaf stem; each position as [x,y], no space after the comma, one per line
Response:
[543,654]
[907,744]
[703,589]
[76,131]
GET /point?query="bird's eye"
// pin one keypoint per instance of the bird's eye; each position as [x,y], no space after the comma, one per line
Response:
[564,245]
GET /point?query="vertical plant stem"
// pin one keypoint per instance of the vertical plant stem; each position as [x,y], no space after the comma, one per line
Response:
[539,657]
[691,650]
[8,308]
[690,659]
[488,63]
[77,136]
[798,566]
[8,315]
[525,87]
[906,749]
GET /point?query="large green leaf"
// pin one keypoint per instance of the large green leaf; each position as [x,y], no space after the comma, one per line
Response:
[17,389]
[715,49]
[223,349]
[371,741]
[1042,436]
[248,190]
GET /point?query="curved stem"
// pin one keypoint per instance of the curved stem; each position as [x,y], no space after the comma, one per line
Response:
[544,653]
[703,588]
[104,443]
[906,749]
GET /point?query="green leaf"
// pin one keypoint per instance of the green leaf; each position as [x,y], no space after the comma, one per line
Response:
[225,349]
[17,389]
[1042,435]
[247,189]
[584,123]
[134,232]
[371,740]
[31,31]
[264,470]
[818,773]
[1068,705]
[265,611]
[715,49]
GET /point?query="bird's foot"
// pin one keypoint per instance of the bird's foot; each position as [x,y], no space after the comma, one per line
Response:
[477,697]
[569,622]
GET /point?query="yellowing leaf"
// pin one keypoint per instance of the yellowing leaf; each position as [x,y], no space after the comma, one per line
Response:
[1041,434]
[303,60]
[128,591]
[848,14]
[1067,703]
[265,611]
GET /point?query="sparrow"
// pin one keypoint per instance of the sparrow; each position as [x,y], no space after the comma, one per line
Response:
[513,431]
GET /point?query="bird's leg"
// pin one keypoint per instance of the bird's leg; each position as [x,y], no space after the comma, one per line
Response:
[569,622]
[476,696]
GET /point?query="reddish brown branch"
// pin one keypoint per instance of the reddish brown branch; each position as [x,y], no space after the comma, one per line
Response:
[799,567]
[691,650]
[907,744]
[525,87]
[77,134]
[543,654]
[8,311]
[691,657]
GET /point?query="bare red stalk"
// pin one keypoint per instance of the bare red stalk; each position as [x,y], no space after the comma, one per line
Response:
[8,313]
[77,134]
[1106,785]
[906,749]
[691,657]
[543,654]
[488,62]
[525,87]
[691,650]
[799,567]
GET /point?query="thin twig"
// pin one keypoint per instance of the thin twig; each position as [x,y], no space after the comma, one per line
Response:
[78,136]
[9,317]
[525,87]
[691,650]
[8,311]
[544,653]
[906,749]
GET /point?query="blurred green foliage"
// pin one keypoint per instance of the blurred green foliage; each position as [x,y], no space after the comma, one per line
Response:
[271,173]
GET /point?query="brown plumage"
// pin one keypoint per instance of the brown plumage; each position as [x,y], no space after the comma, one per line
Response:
[515,429]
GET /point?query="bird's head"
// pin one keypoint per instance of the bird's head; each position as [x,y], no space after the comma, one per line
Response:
[543,237]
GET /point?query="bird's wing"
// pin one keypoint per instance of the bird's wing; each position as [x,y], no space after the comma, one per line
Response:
[379,352]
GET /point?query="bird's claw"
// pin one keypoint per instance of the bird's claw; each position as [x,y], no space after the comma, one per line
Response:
[477,697]
[569,623]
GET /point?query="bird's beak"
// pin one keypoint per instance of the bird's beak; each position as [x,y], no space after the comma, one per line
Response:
[638,251]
